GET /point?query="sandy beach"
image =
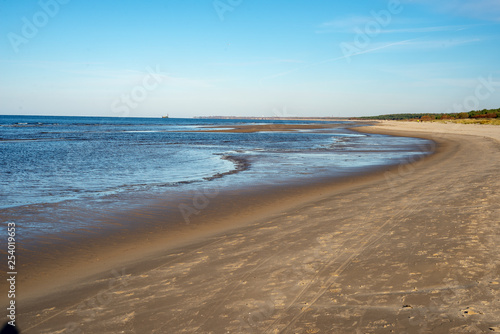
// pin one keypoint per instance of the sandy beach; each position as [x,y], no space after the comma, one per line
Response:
[408,249]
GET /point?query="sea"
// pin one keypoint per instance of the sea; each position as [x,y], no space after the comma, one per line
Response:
[58,173]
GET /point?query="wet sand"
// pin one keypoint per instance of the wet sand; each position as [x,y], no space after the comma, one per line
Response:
[412,249]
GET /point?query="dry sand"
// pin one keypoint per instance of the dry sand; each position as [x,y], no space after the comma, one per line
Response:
[411,250]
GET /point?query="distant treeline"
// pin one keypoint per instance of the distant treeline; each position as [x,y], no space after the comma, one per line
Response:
[485,113]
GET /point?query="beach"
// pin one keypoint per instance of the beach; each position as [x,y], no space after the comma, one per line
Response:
[403,249]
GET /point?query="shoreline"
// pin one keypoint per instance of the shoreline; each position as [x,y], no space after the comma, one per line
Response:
[270,218]
[94,251]
[92,248]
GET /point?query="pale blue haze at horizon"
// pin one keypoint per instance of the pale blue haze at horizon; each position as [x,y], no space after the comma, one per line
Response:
[255,58]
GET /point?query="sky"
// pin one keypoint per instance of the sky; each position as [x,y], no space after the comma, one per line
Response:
[189,58]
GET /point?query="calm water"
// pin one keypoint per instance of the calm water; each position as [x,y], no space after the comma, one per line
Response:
[83,161]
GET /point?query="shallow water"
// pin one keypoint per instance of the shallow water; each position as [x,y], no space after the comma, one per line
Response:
[52,165]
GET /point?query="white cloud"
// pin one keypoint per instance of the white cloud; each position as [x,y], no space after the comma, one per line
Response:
[425,29]
[439,43]
[373,48]
[397,26]
[411,44]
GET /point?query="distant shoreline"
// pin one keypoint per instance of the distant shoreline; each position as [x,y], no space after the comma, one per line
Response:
[278,118]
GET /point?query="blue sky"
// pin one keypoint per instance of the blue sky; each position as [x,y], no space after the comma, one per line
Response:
[249,58]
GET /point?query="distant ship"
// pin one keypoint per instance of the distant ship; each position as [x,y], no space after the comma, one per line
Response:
[166,116]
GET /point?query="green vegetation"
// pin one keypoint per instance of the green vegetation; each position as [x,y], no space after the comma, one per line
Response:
[475,114]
